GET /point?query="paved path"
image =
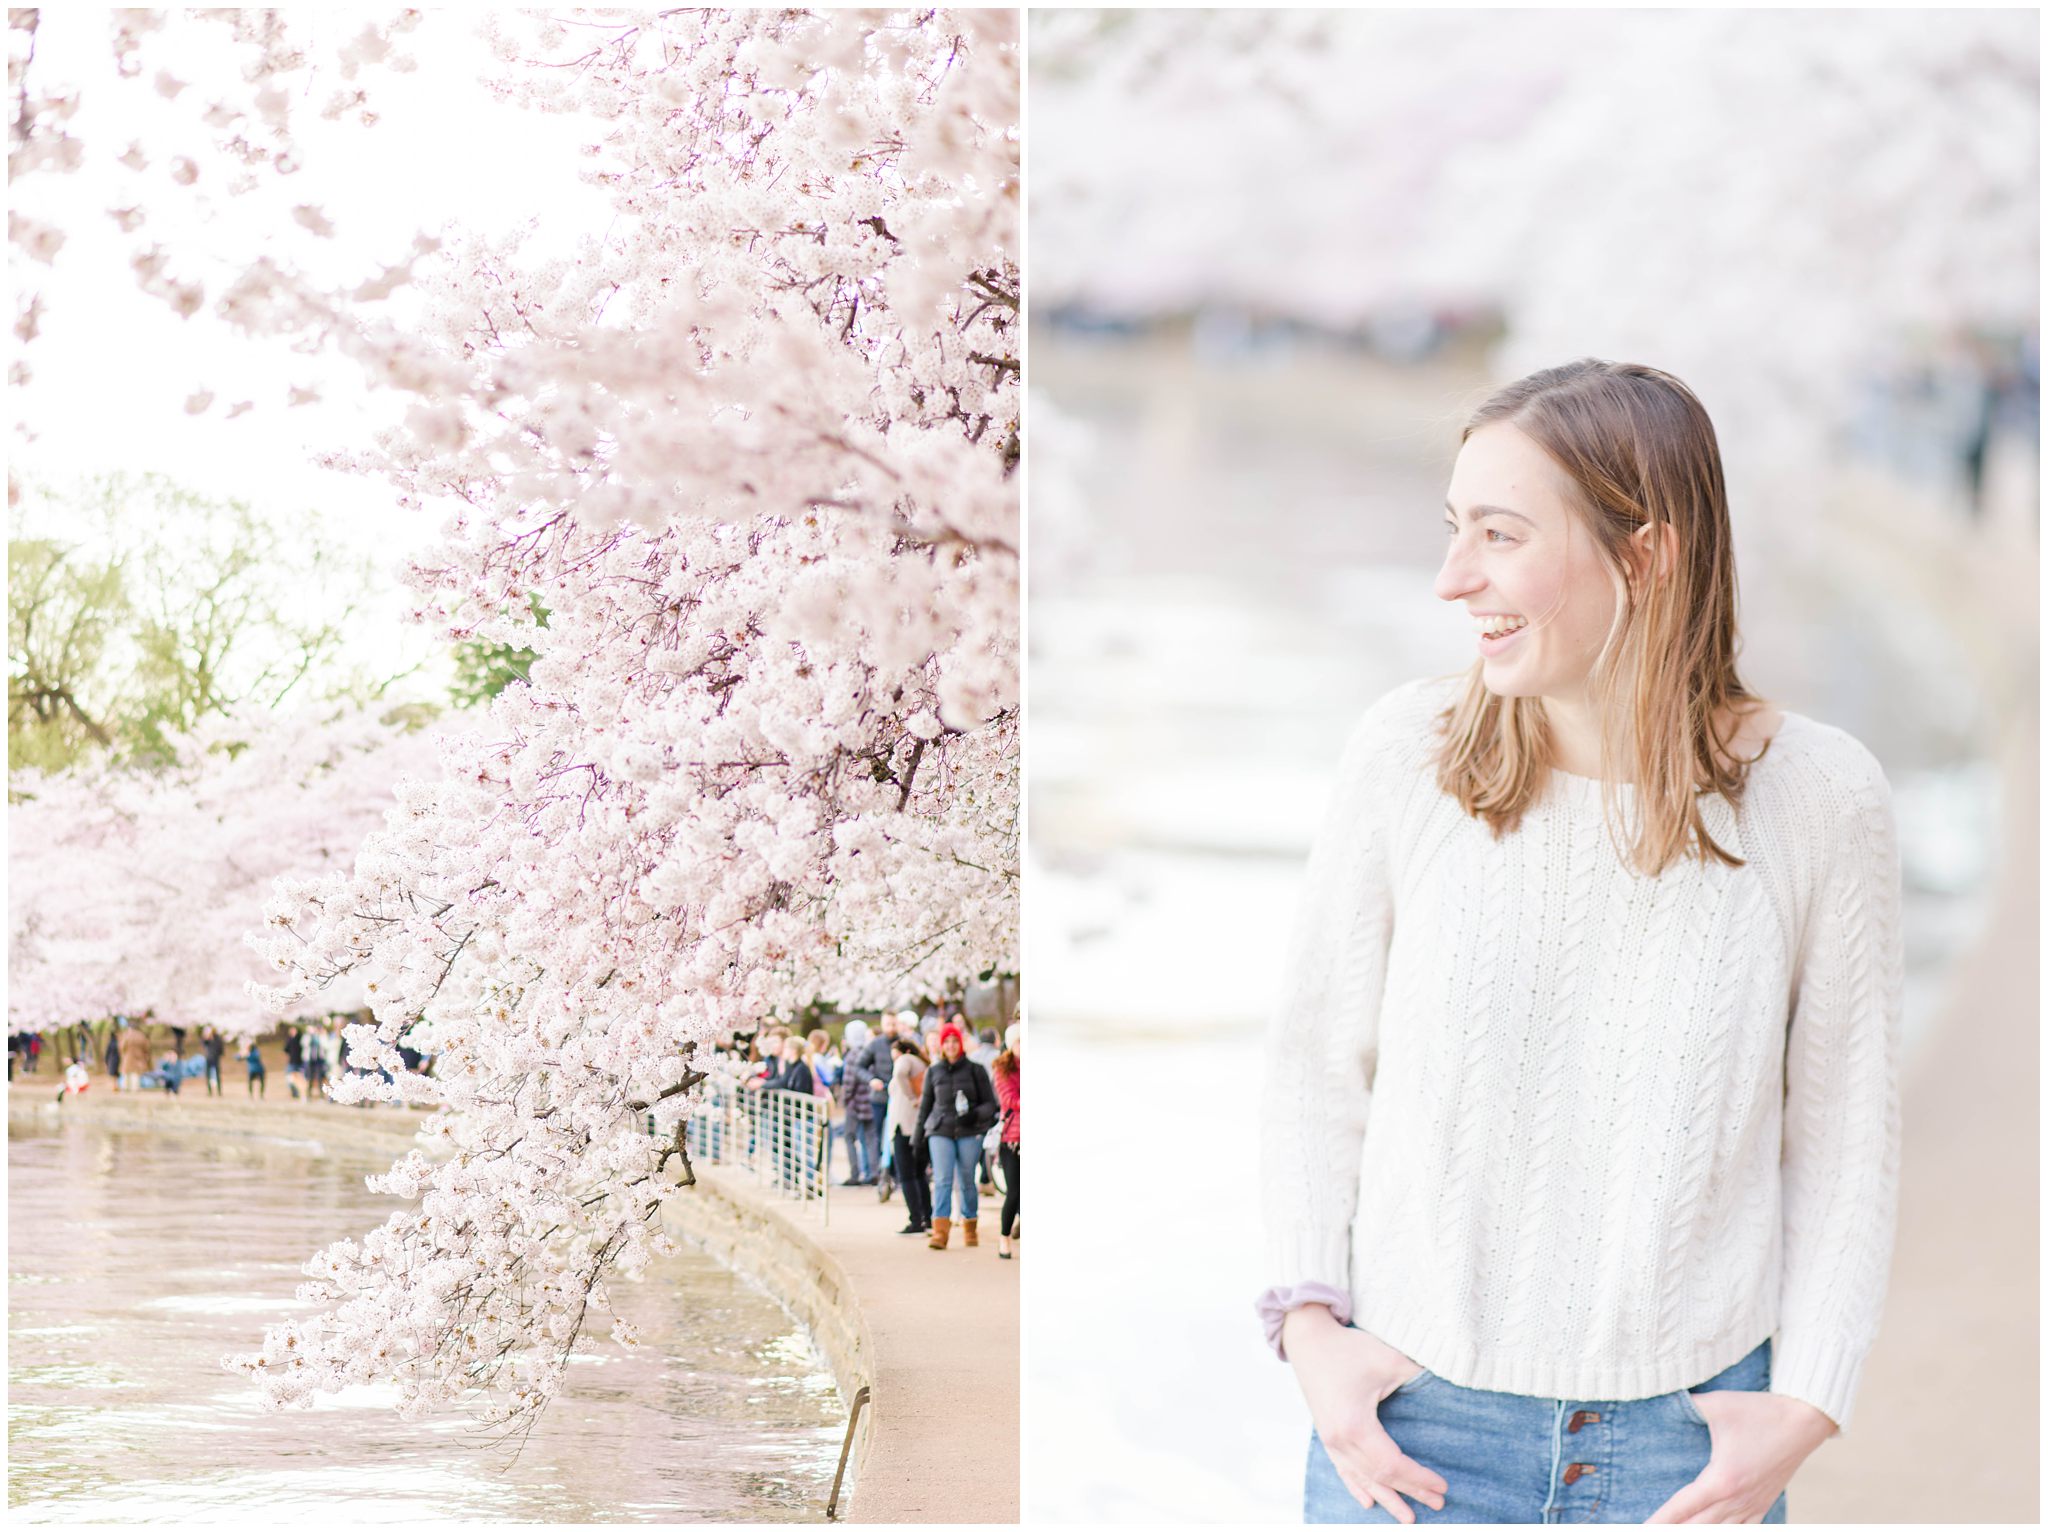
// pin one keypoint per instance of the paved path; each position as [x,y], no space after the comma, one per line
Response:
[1949,1417]
[943,1443]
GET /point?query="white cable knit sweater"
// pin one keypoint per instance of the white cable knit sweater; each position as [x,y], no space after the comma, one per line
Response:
[1562,1130]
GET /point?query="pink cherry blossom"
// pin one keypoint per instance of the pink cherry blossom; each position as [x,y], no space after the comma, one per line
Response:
[133,889]
[767,751]
[740,473]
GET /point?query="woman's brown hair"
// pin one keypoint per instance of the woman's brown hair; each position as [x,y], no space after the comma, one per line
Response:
[1636,448]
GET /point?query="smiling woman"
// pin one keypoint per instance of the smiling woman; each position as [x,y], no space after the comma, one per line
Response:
[1597,572]
[1581,1148]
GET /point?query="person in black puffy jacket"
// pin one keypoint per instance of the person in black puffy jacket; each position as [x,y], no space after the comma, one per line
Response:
[957,1108]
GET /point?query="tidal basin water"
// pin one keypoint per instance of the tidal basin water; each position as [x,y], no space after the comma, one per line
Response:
[136,1261]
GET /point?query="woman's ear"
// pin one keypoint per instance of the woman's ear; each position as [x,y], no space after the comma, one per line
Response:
[1653,540]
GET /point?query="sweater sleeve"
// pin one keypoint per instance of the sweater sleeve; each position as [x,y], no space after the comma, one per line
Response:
[1323,1041]
[1840,1156]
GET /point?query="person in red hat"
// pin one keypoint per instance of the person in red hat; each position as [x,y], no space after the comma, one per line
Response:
[957,1108]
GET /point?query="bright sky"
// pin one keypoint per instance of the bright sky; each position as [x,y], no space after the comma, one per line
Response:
[114,367]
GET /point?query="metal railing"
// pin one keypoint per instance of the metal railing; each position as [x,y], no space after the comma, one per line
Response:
[713,1120]
[782,1137]
[860,1398]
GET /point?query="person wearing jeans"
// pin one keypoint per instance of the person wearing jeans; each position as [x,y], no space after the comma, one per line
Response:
[1602,1460]
[1581,1124]
[953,1160]
[878,1066]
[870,1127]
[957,1108]
[858,1106]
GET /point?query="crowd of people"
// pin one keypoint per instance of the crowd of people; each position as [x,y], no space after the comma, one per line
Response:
[920,1104]
[312,1049]
[916,1103]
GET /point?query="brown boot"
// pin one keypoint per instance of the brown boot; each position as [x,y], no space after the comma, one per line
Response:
[973,1235]
[942,1230]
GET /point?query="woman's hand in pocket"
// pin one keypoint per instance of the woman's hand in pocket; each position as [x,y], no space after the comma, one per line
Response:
[1344,1374]
[1758,1442]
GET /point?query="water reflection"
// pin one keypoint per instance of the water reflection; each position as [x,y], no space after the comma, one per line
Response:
[137,1261]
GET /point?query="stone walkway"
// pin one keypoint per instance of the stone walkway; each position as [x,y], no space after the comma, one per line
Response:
[1948,1421]
[945,1325]
[938,1350]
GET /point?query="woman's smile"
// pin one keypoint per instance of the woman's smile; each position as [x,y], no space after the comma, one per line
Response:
[1493,640]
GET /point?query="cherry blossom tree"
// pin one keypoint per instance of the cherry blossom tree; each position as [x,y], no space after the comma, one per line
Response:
[752,455]
[133,888]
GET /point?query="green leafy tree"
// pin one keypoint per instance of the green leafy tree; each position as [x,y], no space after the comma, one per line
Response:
[62,610]
[483,670]
[137,606]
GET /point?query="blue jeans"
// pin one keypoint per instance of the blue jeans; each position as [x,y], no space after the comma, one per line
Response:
[864,1148]
[1505,1456]
[947,1154]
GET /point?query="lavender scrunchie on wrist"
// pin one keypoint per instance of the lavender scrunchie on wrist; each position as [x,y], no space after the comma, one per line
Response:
[1276,1303]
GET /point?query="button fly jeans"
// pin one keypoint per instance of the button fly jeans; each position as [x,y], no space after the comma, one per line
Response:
[1517,1458]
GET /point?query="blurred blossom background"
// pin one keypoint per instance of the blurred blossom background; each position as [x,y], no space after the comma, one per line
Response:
[1276,259]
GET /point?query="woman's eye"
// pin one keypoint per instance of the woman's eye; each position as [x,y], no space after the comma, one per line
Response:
[1451,530]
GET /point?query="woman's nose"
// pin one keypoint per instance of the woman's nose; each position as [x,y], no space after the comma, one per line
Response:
[1456,579]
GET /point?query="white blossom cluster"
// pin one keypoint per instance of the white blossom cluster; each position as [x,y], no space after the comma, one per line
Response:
[132,889]
[230,129]
[740,475]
